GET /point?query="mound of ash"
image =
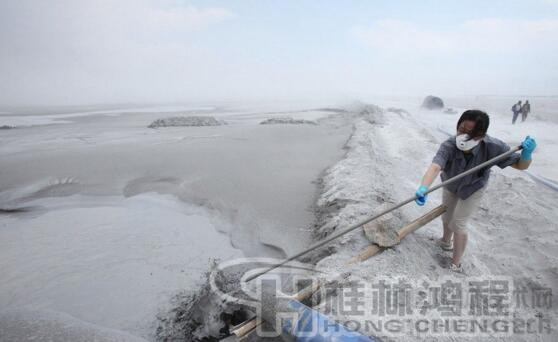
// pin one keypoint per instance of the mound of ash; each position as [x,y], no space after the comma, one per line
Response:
[332,110]
[177,121]
[399,111]
[432,102]
[287,120]
[202,314]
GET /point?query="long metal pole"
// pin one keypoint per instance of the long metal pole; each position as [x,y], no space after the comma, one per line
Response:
[396,206]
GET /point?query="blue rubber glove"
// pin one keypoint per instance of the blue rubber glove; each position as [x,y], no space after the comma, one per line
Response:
[421,197]
[529,145]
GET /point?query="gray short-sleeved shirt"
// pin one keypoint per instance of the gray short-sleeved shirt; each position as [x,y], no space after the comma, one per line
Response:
[453,162]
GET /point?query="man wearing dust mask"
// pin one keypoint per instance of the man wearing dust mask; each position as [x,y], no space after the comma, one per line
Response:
[471,146]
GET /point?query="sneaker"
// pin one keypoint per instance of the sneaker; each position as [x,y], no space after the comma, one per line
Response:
[446,246]
[456,268]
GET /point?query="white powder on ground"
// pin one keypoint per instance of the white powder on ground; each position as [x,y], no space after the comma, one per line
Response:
[514,233]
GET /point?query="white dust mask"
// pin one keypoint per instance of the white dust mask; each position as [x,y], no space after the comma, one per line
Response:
[464,143]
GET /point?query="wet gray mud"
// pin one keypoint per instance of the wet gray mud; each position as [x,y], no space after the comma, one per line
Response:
[203,315]
[256,183]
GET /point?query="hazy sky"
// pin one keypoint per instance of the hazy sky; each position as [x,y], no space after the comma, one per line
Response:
[107,51]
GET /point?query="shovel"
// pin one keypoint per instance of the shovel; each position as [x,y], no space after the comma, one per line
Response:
[383,231]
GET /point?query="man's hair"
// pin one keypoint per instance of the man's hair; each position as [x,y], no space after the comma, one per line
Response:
[480,119]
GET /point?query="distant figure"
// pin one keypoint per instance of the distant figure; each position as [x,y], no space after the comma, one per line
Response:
[516,109]
[525,110]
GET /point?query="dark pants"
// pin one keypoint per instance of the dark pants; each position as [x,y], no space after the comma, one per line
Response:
[515,115]
[524,116]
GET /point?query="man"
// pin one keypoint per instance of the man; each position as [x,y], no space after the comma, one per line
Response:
[516,109]
[525,110]
[470,147]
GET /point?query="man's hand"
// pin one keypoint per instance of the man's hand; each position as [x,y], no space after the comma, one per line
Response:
[421,197]
[529,145]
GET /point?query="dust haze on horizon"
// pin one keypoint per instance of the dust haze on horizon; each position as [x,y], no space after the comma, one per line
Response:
[82,52]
